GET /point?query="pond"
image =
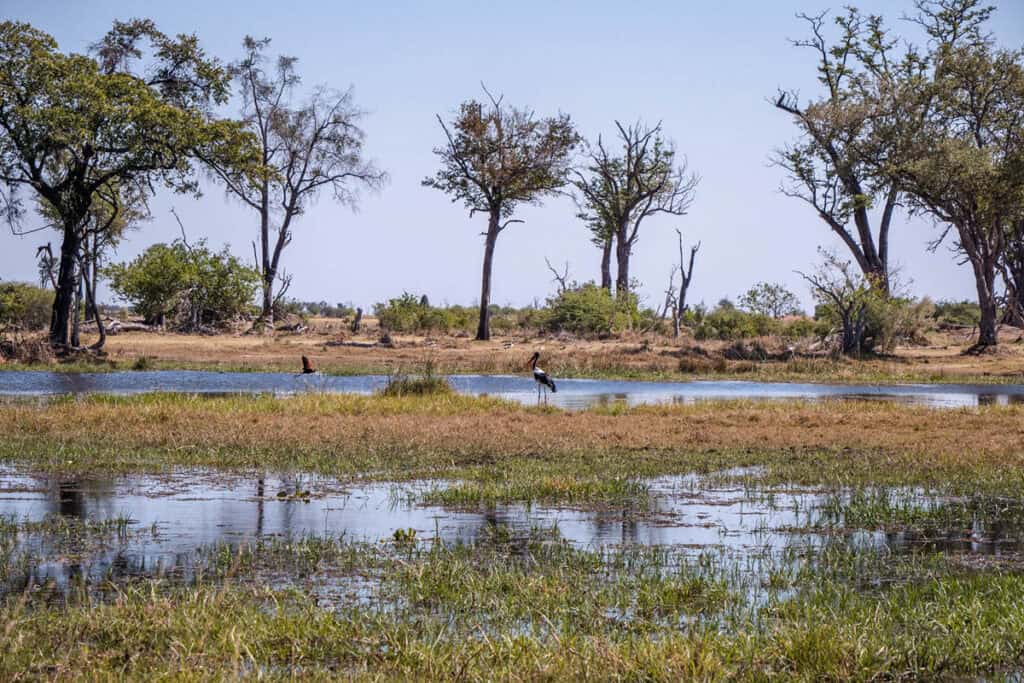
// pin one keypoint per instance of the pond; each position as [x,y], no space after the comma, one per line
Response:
[572,393]
[161,525]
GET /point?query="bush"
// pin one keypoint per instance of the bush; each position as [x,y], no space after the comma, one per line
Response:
[728,324]
[770,299]
[966,313]
[409,313]
[190,287]
[24,306]
[590,310]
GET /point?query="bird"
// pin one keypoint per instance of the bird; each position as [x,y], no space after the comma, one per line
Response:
[541,378]
[307,367]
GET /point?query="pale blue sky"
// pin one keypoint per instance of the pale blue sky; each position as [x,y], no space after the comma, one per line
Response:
[703,68]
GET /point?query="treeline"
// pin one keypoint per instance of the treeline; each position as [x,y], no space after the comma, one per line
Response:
[933,129]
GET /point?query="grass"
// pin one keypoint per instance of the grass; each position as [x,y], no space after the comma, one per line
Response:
[509,450]
[636,357]
[528,605]
[518,609]
[428,383]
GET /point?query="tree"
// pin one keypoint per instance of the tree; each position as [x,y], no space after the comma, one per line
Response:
[71,125]
[191,286]
[303,149]
[619,190]
[770,299]
[675,300]
[835,164]
[496,157]
[965,166]
[845,296]
[109,217]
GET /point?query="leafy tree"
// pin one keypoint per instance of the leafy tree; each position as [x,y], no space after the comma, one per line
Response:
[303,147]
[497,157]
[24,306]
[72,125]
[834,166]
[619,189]
[190,286]
[770,299]
[965,166]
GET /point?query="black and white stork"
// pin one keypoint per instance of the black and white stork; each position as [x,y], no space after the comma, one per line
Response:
[541,378]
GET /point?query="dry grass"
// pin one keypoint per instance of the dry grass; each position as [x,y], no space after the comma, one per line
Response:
[408,437]
[633,356]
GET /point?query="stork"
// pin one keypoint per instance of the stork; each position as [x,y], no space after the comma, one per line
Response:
[541,378]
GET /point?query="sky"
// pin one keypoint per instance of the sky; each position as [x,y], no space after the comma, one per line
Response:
[706,70]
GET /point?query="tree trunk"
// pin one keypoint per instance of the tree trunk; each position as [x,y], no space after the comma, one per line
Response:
[622,261]
[483,330]
[76,311]
[984,280]
[90,293]
[65,294]
[267,314]
[606,264]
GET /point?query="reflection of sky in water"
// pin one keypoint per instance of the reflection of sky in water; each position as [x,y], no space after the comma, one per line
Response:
[572,393]
[175,516]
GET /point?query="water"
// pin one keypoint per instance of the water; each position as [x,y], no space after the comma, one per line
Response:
[572,393]
[174,517]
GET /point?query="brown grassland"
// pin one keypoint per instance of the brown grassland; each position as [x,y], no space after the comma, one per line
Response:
[334,351]
[352,436]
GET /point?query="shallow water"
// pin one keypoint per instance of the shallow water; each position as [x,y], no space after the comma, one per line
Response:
[173,518]
[572,393]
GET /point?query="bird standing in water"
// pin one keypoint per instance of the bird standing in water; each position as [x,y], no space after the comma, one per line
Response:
[541,378]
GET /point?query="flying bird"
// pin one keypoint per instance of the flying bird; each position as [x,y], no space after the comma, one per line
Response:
[541,378]
[307,367]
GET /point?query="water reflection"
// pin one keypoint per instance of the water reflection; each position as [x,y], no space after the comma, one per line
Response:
[572,393]
[173,518]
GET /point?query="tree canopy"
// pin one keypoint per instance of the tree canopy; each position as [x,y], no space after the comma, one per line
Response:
[72,125]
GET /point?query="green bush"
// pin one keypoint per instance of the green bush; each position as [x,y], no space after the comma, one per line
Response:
[25,306]
[770,299]
[966,313]
[729,323]
[187,287]
[590,310]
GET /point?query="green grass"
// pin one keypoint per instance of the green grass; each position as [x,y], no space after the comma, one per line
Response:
[508,607]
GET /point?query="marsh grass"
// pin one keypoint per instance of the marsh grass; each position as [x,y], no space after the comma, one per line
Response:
[524,607]
[425,383]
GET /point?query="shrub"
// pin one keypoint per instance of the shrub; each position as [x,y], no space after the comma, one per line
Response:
[425,384]
[966,313]
[769,299]
[590,310]
[188,286]
[728,324]
[24,306]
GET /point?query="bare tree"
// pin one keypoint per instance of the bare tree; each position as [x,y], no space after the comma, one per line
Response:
[621,188]
[686,276]
[848,295]
[562,278]
[495,157]
[304,148]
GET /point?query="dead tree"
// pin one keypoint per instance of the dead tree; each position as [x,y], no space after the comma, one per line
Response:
[357,322]
[561,278]
[686,273]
